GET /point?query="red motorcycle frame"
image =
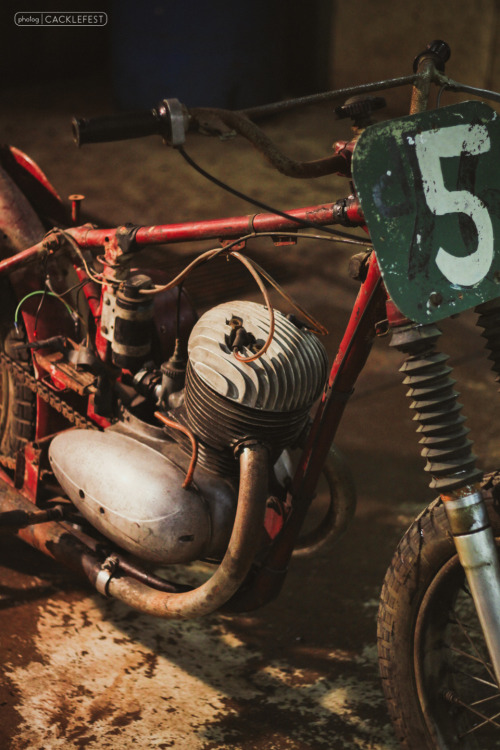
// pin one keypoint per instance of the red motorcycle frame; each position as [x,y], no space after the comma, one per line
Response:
[38,521]
[352,353]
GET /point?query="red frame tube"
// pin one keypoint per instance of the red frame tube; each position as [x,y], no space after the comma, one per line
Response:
[213,229]
[232,227]
[353,351]
[350,360]
[23,257]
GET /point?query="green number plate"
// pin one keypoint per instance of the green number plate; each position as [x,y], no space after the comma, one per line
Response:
[429,186]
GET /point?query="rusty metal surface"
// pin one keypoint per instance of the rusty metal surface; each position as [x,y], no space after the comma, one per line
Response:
[228,576]
[80,671]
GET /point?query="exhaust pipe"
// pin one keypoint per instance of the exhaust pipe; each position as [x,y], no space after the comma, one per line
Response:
[59,542]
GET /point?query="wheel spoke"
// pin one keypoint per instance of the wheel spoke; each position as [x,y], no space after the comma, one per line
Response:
[492,697]
[454,680]
[471,657]
[454,699]
[486,720]
[477,679]
[487,665]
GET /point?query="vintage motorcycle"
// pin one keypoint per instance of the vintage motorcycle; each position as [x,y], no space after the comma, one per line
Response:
[135,435]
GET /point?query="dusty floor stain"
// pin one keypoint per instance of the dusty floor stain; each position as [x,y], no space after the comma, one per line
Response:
[106,679]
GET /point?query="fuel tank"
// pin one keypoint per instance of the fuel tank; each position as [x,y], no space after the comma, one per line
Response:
[133,495]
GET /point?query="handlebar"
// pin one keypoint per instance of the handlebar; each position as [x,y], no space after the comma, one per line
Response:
[172,120]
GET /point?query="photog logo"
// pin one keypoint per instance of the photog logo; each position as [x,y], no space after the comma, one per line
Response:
[58,18]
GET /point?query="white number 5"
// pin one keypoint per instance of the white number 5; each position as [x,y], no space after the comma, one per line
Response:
[431,146]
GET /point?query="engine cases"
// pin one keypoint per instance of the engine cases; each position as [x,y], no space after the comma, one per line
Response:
[132,493]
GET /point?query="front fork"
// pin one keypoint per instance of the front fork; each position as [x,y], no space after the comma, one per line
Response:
[475,545]
[450,461]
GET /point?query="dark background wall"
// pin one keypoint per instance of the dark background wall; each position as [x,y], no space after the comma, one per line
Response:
[376,39]
[236,54]
[222,52]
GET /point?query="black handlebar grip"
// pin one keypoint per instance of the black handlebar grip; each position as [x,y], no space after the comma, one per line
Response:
[118,127]
[170,119]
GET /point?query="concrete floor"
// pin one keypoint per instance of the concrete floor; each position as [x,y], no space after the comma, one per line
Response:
[80,671]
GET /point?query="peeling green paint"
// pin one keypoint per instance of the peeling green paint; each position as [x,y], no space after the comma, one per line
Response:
[429,186]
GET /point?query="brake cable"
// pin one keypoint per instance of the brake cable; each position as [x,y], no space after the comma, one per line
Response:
[264,206]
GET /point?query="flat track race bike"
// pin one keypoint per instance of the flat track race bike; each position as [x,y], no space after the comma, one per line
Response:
[136,435]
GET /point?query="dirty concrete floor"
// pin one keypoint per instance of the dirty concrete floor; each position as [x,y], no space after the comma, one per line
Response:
[80,671]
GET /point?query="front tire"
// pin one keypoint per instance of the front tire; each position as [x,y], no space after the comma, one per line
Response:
[437,679]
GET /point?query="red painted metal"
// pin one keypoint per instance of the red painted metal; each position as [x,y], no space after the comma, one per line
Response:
[394,316]
[34,184]
[51,320]
[232,227]
[352,354]
[345,149]
[76,205]
[23,257]
[91,290]
[213,229]
[92,414]
[31,480]
[27,163]
[354,213]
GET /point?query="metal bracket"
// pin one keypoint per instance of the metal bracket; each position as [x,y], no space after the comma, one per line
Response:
[106,573]
[125,237]
[173,111]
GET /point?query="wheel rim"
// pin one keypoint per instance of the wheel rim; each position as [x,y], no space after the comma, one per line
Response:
[458,692]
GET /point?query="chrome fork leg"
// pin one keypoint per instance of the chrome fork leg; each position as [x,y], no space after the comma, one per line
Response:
[475,545]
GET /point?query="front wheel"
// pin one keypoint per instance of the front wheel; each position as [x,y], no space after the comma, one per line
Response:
[437,677]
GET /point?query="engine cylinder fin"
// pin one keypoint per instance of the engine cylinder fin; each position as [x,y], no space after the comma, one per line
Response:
[220,423]
[227,400]
[290,374]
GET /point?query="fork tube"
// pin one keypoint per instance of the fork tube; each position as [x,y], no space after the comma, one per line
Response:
[447,451]
[475,545]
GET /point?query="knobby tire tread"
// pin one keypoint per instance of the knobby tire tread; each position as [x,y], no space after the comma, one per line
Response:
[423,549]
[19,401]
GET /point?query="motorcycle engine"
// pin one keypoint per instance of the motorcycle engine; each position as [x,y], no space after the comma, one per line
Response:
[127,480]
[268,399]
